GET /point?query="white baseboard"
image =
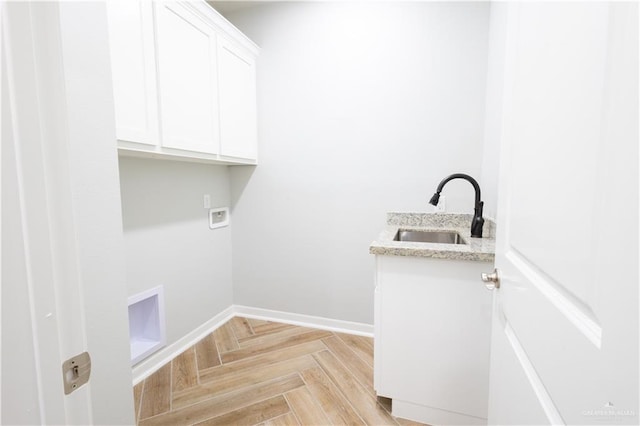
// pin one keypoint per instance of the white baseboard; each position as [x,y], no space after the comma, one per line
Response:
[153,363]
[321,323]
[150,365]
[432,416]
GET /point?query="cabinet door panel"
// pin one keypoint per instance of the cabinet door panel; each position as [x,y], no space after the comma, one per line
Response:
[433,330]
[237,86]
[187,75]
[134,71]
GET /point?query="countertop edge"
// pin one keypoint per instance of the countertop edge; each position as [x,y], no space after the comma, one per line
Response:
[381,250]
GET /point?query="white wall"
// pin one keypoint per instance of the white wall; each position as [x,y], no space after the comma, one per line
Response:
[363,108]
[168,241]
[493,111]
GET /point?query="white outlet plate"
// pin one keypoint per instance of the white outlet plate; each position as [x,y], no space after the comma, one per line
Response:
[206,201]
[218,217]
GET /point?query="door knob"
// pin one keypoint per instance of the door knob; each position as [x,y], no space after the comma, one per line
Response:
[491,280]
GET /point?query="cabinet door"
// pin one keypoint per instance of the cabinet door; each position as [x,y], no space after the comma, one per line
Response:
[187,79]
[433,333]
[237,85]
[133,71]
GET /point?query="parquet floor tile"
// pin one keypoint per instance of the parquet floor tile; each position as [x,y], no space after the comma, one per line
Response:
[255,372]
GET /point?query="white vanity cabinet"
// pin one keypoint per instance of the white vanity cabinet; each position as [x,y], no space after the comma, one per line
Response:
[184,83]
[432,338]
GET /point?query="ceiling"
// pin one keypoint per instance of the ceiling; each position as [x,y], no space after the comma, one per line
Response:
[230,6]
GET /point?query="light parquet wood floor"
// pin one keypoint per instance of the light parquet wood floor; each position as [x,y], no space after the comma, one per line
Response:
[254,372]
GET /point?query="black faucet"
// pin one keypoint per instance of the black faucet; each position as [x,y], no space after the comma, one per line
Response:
[478,221]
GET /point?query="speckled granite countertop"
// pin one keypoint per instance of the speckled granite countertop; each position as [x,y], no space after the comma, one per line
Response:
[476,249]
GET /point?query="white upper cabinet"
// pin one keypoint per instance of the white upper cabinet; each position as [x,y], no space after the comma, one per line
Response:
[134,71]
[237,84]
[184,83]
[187,80]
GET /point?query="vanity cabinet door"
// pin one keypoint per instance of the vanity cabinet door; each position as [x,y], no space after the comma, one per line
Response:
[133,71]
[432,341]
[237,95]
[187,75]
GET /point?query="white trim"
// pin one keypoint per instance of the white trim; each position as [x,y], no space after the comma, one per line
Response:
[433,416]
[2,46]
[576,312]
[152,364]
[545,400]
[356,328]
[133,149]
[213,18]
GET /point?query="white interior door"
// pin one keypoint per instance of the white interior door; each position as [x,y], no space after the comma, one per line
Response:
[565,332]
[63,288]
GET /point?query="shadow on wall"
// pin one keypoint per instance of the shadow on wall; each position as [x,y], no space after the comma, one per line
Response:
[240,177]
[158,192]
